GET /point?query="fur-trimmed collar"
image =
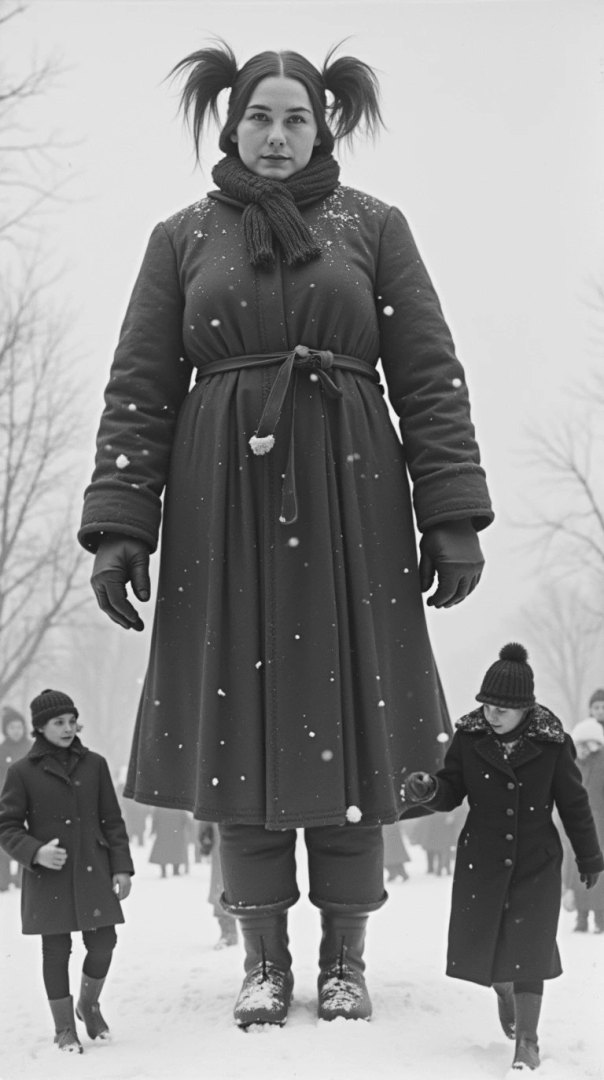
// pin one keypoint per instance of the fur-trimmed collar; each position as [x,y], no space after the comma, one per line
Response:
[542,724]
[42,748]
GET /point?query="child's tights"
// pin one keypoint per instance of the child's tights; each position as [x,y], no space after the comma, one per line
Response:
[56,950]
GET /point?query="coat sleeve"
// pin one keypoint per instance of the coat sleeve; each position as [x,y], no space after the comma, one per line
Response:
[112,824]
[15,838]
[149,378]
[426,386]
[572,803]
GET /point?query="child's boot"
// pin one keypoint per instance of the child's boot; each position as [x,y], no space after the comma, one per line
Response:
[342,988]
[65,1030]
[88,1010]
[505,1005]
[266,992]
[528,1008]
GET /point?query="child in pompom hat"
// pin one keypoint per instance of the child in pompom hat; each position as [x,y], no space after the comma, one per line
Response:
[513,761]
[60,819]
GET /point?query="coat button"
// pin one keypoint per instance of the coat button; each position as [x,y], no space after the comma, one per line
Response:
[509,812]
[509,836]
[510,786]
[508,862]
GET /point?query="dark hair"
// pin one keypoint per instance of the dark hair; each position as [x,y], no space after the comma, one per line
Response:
[352,84]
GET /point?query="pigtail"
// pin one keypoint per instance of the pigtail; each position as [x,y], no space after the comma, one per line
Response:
[210,71]
[356,96]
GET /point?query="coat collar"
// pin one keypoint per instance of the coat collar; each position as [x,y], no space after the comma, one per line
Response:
[543,726]
[44,751]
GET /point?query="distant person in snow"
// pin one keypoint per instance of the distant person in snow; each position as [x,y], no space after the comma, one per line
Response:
[291,679]
[15,745]
[588,737]
[513,761]
[60,819]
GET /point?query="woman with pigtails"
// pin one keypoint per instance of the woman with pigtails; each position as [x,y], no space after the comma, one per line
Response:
[291,682]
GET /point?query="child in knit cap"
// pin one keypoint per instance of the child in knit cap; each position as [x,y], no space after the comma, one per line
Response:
[588,737]
[60,819]
[513,761]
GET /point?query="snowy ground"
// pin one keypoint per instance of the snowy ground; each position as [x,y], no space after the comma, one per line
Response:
[169,998]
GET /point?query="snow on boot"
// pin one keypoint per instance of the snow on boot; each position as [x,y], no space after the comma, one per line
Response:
[87,1008]
[341,985]
[528,1008]
[266,992]
[505,1005]
[66,1037]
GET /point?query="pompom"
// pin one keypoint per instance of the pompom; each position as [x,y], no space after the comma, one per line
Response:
[514,651]
[262,444]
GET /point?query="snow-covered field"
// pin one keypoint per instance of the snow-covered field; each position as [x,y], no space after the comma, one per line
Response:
[169,997]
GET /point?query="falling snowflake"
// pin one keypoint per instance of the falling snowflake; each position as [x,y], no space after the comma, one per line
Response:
[122,461]
[388,310]
[293,541]
[326,755]
[214,322]
[220,692]
[443,737]
[353,814]
[456,383]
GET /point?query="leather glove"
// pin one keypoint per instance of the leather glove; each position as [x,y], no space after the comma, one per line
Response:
[419,787]
[119,560]
[452,552]
[589,880]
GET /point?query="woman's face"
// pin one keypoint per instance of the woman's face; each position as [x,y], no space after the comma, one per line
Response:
[61,730]
[278,132]
[503,720]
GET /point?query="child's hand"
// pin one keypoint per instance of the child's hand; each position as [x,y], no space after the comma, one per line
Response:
[419,787]
[51,855]
[121,885]
[589,880]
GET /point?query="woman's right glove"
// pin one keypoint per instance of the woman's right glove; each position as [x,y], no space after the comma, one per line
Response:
[119,560]
[419,787]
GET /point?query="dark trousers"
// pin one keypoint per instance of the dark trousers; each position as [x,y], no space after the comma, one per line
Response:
[56,950]
[345,865]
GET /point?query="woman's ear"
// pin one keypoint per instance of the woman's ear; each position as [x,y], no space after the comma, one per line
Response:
[233,137]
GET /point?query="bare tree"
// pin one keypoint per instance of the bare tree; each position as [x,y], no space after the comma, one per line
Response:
[566,630]
[40,579]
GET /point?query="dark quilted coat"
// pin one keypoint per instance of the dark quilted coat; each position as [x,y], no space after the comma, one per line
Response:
[507,883]
[291,679]
[42,799]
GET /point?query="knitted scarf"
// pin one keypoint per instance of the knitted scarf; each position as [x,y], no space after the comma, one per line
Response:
[271,213]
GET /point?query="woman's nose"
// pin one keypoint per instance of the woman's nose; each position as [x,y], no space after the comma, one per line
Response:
[276,137]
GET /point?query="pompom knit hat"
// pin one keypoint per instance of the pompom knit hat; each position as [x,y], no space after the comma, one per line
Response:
[48,704]
[588,731]
[509,681]
[598,695]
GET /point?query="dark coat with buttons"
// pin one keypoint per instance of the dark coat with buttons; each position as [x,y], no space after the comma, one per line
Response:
[43,798]
[291,679]
[507,884]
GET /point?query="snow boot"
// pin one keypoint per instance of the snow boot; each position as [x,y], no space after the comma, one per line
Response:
[228,932]
[528,1008]
[65,1030]
[598,921]
[266,992]
[505,1005]
[87,1008]
[341,985]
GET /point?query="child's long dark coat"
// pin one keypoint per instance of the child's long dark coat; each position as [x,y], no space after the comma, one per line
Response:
[507,885]
[40,801]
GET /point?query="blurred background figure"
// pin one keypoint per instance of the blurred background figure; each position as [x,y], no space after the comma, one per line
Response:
[588,737]
[170,830]
[596,707]
[15,744]
[437,835]
[134,814]
[209,844]
[395,852]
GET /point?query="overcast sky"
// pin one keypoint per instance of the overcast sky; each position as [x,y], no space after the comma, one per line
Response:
[494,110]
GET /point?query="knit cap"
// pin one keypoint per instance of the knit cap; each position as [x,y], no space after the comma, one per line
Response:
[509,681]
[598,695]
[9,715]
[588,731]
[48,704]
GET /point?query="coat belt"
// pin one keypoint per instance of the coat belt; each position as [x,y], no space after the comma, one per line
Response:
[262,441]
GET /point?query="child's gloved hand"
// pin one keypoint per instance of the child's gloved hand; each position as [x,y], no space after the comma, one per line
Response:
[589,880]
[419,787]
[51,855]
[121,885]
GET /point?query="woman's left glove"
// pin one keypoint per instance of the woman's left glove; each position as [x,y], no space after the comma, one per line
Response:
[589,880]
[419,787]
[452,552]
